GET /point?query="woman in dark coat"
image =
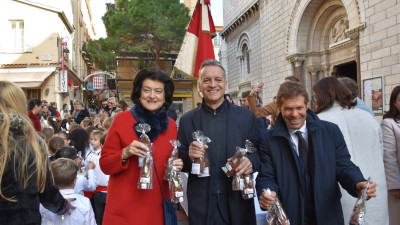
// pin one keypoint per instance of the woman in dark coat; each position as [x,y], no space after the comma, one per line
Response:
[79,112]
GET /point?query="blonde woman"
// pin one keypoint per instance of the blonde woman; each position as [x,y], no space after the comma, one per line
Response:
[25,180]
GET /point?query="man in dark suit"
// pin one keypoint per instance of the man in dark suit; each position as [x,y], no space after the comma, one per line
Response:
[211,199]
[302,161]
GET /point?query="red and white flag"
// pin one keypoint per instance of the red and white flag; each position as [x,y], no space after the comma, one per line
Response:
[197,44]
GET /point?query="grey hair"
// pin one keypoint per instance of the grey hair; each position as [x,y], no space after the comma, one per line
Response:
[351,85]
[77,101]
[212,62]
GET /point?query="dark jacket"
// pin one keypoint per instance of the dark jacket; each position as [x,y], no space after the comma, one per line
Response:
[53,111]
[242,125]
[25,210]
[329,164]
[80,115]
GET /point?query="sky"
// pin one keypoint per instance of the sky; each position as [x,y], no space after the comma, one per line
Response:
[98,9]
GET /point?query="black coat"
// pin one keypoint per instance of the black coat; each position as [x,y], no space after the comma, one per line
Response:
[25,210]
[80,115]
[329,164]
[242,125]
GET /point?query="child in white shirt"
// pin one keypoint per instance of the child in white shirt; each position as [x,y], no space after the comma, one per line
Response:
[64,173]
[85,182]
[100,194]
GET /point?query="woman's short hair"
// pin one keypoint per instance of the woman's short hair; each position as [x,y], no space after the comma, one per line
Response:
[33,102]
[328,90]
[77,101]
[112,100]
[393,112]
[64,172]
[291,89]
[156,75]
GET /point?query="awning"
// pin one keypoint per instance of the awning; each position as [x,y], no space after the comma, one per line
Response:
[26,77]
[182,95]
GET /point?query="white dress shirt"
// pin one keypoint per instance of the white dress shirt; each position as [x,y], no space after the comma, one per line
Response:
[82,215]
[295,139]
[94,155]
[86,184]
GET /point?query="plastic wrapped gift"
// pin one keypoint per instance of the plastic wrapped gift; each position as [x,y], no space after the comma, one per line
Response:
[82,169]
[276,214]
[237,183]
[358,215]
[230,167]
[143,128]
[201,166]
[248,187]
[146,172]
[174,156]
[175,187]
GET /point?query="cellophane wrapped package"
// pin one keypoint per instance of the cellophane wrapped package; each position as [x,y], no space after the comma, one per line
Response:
[358,215]
[276,213]
[201,166]
[248,187]
[230,167]
[175,187]
[146,172]
[237,182]
[174,156]
[143,128]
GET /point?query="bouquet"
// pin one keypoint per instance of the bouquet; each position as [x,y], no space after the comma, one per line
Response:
[201,166]
[143,128]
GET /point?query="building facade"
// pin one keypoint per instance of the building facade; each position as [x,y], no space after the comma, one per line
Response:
[266,41]
[44,39]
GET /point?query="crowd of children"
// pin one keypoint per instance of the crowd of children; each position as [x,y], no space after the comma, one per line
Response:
[74,152]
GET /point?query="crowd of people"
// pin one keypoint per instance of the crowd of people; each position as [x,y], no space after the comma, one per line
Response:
[81,167]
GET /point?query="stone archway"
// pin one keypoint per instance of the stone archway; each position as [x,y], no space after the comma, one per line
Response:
[321,35]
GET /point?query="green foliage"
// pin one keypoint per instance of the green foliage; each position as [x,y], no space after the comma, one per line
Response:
[141,26]
[103,52]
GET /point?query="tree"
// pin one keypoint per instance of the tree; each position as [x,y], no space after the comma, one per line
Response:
[152,26]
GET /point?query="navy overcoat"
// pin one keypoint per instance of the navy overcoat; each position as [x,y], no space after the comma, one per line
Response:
[329,165]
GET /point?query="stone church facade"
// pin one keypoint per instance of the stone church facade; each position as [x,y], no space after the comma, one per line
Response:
[265,41]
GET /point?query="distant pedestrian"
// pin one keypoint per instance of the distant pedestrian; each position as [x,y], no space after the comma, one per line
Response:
[34,107]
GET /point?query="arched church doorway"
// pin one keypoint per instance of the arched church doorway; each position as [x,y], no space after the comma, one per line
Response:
[347,70]
[323,39]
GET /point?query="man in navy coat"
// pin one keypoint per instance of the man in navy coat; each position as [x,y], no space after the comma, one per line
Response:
[211,200]
[302,161]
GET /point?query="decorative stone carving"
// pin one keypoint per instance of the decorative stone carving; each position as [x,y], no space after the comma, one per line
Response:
[338,31]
